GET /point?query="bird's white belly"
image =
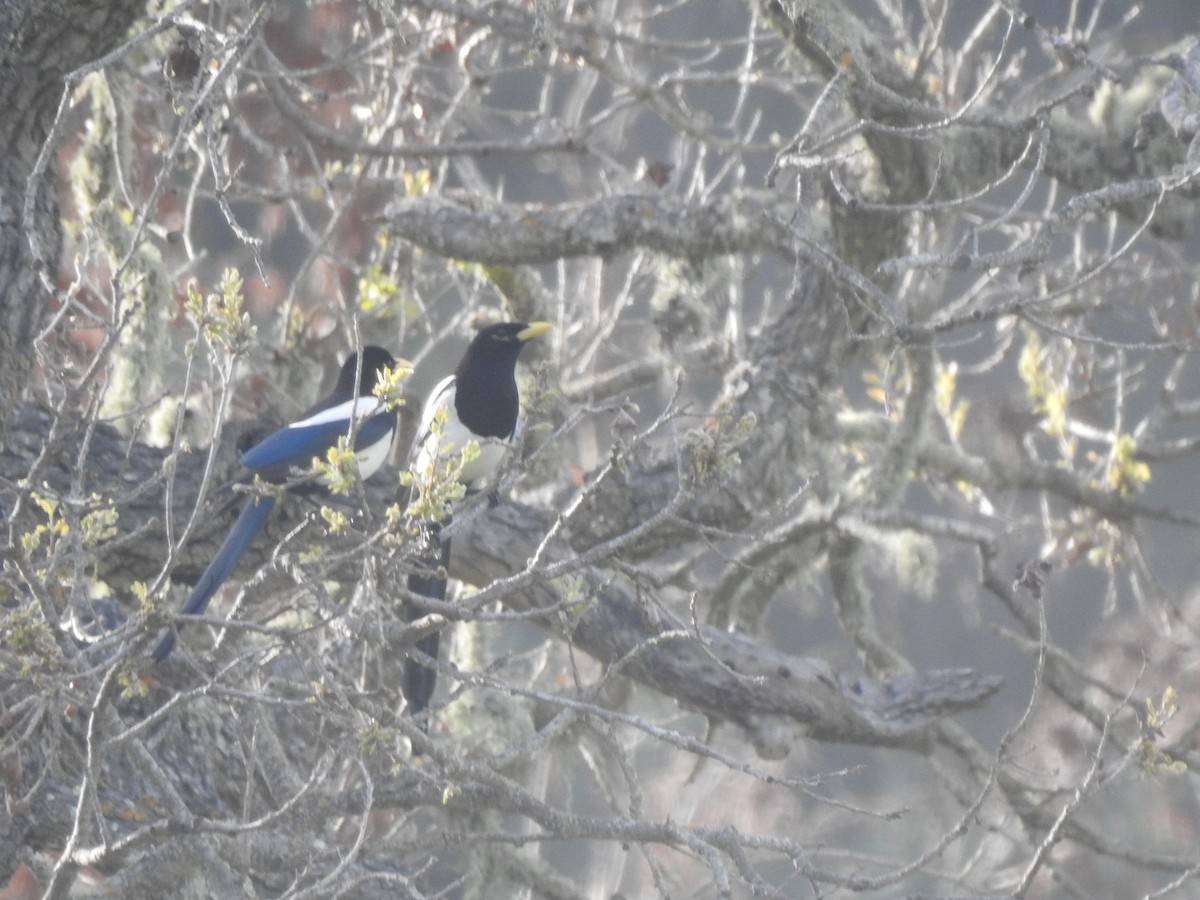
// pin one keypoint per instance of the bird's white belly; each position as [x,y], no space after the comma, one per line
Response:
[479,471]
[372,457]
[449,445]
[450,442]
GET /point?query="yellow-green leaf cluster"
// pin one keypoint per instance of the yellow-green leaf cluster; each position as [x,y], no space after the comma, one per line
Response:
[339,468]
[375,739]
[714,447]
[418,183]
[875,387]
[336,521]
[1044,385]
[1126,473]
[23,630]
[219,316]
[390,385]
[952,411]
[570,590]
[132,684]
[376,290]
[141,593]
[397,521]
[54,527]
[1158,715]
[1154,760]
[100,524]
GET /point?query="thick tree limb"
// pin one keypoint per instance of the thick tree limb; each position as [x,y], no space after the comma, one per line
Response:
[774,696]
[497,234]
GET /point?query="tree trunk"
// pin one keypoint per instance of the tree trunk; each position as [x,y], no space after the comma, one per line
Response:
[41,44]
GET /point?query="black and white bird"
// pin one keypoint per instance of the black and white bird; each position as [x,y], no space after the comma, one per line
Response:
[288,453]
[479,403]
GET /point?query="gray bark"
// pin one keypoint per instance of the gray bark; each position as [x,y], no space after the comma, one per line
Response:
[41,43]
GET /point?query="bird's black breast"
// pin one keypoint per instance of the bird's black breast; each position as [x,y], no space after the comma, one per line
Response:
[488,407]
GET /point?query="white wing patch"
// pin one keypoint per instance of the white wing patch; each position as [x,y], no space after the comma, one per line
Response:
[360,408]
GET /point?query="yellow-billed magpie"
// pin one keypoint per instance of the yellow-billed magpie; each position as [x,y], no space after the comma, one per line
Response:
[290,451]
[481,404]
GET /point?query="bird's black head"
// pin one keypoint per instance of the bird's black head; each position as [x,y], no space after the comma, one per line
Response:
[374,359]
[496,348]
[485,393]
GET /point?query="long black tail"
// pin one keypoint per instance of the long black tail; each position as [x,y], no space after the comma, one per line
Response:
[419,679]
[249,523]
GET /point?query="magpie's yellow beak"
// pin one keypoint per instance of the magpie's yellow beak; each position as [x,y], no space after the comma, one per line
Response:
[534,329]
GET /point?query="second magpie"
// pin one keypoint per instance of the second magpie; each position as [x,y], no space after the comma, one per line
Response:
[277,458]
[479,403]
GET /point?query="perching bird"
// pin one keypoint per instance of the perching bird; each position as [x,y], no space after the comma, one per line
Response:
[481,404]
[290,451]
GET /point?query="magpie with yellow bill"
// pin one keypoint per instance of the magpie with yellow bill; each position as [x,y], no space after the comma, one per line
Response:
[479,403]
[286,455]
